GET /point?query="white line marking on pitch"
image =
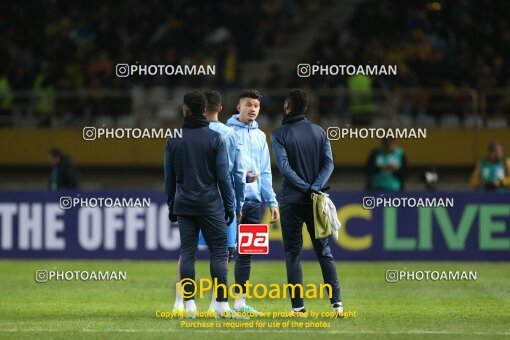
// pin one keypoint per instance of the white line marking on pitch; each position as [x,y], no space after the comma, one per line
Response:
[416,331]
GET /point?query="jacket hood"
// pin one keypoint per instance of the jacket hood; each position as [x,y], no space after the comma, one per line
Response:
[234,121]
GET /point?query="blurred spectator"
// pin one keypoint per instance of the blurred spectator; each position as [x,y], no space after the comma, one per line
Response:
[228,66]
[70,46]
[85,39]
[452,46]
[44,97]
[5,100]
[63,173]
[361,98]
[492,173]
[386,167]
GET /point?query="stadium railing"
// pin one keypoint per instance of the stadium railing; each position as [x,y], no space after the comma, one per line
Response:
[456,108]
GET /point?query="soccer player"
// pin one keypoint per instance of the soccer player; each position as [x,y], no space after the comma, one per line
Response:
[255,154]
[303,156]
[199,195]
[213,108]
[492,173]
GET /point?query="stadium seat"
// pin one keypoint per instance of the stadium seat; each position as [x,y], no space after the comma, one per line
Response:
[405,120]
[150,123]
[379,122]
[473,121]
[497,123]
[424,120]
[104,120]
[126,121]
[449,121]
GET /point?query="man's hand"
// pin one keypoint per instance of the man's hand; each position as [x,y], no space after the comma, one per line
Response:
[239,215]
[311,191]
[251,179]
[172,217]
[229,217]
[275,214]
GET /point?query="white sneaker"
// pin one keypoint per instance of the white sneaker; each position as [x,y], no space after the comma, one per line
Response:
[179,311]
[338,309]
[299,313]
[191,314]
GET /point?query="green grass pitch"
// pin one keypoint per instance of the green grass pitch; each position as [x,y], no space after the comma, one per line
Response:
[126,309]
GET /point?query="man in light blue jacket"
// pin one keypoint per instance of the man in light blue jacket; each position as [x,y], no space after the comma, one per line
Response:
[235,161]
[255,158]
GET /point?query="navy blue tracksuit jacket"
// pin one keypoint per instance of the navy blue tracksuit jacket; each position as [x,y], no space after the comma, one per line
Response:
[196,166]
[303,154]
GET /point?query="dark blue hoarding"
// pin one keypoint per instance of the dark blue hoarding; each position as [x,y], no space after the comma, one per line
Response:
[98,225]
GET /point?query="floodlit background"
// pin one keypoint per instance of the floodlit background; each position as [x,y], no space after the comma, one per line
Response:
[58,63]
[57,75]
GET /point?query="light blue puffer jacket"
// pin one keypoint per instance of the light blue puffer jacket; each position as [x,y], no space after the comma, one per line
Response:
[254,156]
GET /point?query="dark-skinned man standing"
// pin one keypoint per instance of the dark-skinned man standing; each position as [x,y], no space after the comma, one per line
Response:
[200,196]
[303,154]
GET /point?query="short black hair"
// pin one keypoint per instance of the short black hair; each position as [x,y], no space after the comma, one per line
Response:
[251,93]
[386,141]
[213,100]
[493,145]
[196,102]
[298,101]
[55,152]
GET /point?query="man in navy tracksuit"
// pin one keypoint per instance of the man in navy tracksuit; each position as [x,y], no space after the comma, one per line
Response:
[303,155]
[196,166]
